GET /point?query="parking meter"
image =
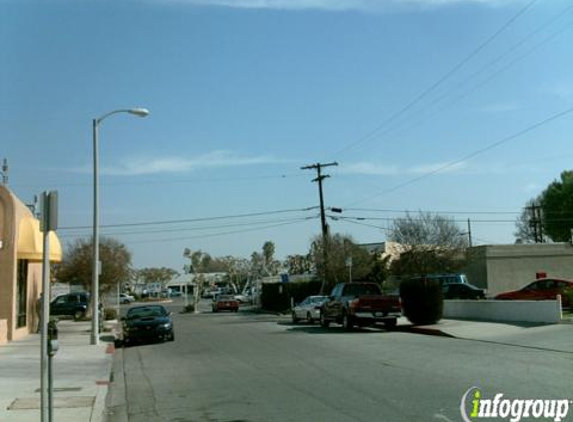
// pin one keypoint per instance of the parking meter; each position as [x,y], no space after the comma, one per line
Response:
[101,317]
[52,338]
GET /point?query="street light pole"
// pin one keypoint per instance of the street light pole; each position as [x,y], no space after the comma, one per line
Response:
[96,267]
[95,241]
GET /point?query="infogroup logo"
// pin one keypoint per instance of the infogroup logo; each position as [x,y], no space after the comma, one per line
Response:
[474,407]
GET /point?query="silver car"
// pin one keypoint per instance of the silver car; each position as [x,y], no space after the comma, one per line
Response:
[308,309]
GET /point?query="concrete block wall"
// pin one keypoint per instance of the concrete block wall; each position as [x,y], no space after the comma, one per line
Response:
[538,311]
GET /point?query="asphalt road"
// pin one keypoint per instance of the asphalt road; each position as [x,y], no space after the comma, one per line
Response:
[229,367]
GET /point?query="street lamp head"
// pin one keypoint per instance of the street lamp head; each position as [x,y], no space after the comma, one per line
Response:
[141,112]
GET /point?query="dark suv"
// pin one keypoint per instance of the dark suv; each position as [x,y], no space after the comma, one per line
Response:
[71,304]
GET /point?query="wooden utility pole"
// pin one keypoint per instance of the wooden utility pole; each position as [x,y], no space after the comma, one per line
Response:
[536,222]
[470,233]
[319,178]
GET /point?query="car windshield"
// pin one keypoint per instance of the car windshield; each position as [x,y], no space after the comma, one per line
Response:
[225,298]
[149,311]
[318,299]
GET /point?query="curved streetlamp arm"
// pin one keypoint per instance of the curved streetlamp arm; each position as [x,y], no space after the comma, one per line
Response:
[141,112]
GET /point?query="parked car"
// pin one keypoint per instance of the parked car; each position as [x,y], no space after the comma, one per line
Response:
[446,278]
[225,302]
[243,298]
[360,304]
[147,323]
[72,304]
[542,289]
[462,291]
[308,309]
[125,298]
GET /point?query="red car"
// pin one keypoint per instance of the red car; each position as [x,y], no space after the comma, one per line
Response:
[542,289]
[226,302]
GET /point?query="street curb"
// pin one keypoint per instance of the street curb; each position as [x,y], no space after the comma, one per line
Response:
[116,404]
[103,386]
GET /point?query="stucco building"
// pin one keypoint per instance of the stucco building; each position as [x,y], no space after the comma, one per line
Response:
[21,248]
[500,268]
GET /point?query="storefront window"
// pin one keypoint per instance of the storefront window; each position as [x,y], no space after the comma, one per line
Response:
[22,293]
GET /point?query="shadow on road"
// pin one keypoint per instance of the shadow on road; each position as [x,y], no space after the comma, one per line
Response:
[317,329]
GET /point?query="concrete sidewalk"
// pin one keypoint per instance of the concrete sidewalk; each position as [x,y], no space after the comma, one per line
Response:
[81,376]
[551,337]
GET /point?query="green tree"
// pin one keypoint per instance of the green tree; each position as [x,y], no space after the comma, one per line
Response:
[268,253]
[76,266]
[557,208]
[156,275]
[340,248]
[298,264]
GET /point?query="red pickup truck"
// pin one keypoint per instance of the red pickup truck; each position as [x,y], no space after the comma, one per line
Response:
[361,304]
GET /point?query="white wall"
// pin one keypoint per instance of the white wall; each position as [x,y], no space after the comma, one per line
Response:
[544,311]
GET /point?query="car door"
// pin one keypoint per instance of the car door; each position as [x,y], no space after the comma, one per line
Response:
[549,291]
[532,291]
[58,305]
[330,305]
[300,309]
[71,304]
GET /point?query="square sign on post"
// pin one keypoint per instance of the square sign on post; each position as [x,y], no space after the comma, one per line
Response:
[49,220]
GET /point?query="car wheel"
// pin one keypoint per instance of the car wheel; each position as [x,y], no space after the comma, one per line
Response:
[390,324]
[294,317]
[171,337]
[324,323]
[347,322]
[309,318]
[79,314]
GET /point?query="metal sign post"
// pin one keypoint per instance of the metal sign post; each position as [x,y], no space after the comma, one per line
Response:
[49,222]
[348,263]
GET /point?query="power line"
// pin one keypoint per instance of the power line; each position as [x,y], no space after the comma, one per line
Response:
[488,65]
[167,182]
[481,83]
[219,234]
[185,229]
[441,80]
[390,219]
[191,220]
[433,212]
[364,224]
[470,155]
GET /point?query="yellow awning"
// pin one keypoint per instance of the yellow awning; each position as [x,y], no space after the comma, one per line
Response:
[30,242]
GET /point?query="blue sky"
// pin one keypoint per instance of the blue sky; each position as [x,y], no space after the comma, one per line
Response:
[243,93]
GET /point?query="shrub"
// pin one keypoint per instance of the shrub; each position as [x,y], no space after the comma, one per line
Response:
[567,299]
[189,308]
[422,300]
[109,314]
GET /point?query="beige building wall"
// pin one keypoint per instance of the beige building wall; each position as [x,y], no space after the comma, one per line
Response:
[7,262]
[12,213]
[500,268]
